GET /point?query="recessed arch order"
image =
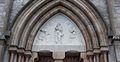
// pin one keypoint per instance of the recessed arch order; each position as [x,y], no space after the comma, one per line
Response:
[28,22]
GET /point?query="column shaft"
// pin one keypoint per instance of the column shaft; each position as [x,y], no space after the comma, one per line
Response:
[15,58]
[105,57]
[11,57]
[27,59]
[23,58]
[20,58]
[90,59]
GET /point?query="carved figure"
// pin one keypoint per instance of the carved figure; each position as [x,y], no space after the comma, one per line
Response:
[58,34]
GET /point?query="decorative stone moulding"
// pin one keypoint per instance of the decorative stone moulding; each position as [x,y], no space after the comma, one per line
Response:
[38,12]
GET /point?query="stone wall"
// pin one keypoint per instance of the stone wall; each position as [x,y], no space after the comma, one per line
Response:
[116,24]
[17,5]
[100,4]
[116,6]
[2,15]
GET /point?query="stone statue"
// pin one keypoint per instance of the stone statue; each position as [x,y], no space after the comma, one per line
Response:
[58,33]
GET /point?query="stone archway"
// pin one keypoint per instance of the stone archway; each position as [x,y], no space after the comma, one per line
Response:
[60,34]
[28,22]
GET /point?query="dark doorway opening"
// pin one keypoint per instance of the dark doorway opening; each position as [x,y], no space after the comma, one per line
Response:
[72,57]
[45,56]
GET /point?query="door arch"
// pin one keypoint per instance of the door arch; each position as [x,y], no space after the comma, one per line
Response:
[28,22]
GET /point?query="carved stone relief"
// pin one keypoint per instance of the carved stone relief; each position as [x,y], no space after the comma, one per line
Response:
[59,32]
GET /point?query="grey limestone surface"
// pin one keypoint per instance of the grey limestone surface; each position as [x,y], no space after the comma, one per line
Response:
[100,4]
[2,14]
[17,5]
[117,16]
[102,8]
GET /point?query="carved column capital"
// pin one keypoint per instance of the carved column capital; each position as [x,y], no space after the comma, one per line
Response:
[96,50]
[13,48]
[104,48]
[90,53]
[13,53]
[104,56]
[21,51]
[28,53]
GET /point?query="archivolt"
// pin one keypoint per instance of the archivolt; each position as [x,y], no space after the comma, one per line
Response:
[38,12]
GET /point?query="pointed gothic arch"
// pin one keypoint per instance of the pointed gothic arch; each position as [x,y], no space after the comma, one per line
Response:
[38,12]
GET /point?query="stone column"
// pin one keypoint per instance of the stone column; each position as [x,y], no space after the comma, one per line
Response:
[101,58]
[104,57]
[23,58]
[27,59]
[90,56]
[13,54]
[58,56]
[104,54]
[27,56]
[19,57]
[96,54]
[3,25]
[83,55]
[11,57]
[2,47]
[15,57]
[111,15]
[20,54]
[116,44]
[34,57]
[97,57]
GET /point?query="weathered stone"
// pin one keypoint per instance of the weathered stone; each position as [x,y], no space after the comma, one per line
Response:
[101,5]
[117,16]
[17,5]
[102,8]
